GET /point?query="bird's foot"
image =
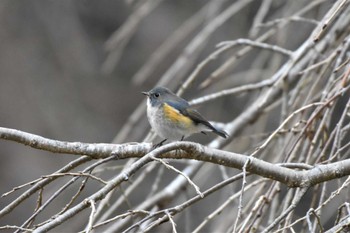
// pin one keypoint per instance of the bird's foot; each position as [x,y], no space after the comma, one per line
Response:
[159,144]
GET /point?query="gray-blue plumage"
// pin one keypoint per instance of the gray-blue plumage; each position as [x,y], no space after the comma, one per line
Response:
[169,129]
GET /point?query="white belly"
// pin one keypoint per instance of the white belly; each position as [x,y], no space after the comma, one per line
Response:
[165,128]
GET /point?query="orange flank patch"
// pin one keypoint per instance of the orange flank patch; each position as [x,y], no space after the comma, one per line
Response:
[175,116]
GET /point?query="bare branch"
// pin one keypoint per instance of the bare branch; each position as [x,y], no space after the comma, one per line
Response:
[193,151]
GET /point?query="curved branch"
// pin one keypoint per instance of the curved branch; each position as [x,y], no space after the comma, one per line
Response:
[191,150]
[8,208]
[93,150]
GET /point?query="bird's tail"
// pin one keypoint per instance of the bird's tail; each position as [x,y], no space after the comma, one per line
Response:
[215,129]
[220,132]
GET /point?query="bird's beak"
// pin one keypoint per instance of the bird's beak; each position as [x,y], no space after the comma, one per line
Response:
[145,93]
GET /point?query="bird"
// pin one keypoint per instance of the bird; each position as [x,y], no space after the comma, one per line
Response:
[172,117]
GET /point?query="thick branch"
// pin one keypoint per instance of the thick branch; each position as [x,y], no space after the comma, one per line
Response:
[94,150]
[290,177]
[190,150]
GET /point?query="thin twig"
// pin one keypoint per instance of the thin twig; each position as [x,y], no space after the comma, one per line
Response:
[171,221]
[77,174]
[180,173]
[296,200]
[92,215]
[9,227]
[20,186]
[240,203]
[256,44]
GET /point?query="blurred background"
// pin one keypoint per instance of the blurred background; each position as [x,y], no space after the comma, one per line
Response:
[54,80]
[74,71]
[51,79]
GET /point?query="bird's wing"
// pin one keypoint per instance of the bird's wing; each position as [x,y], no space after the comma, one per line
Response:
[184,109]
[196,117]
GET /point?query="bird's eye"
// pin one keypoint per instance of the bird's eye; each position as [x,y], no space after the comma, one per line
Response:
[156,95]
